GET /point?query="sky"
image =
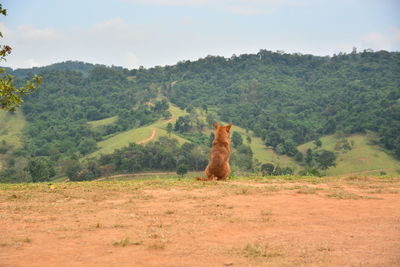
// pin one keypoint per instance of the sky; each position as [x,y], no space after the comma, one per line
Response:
[133,33]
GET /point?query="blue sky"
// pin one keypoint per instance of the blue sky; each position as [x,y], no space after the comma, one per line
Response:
[132,33]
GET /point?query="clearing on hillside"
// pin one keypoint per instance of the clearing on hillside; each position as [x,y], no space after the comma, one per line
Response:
[293,221]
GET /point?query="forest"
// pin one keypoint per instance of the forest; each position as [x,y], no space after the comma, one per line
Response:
[285,99]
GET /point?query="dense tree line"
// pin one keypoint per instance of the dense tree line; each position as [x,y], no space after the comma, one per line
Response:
[165,154]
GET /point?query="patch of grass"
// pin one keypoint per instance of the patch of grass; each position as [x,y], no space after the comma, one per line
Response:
[27,240]
[325,248]
[256,250]
[264,154]
[308,190]
[103,122]
[156,245]
[169,212]
[342,194]
[138,134]
[244,190]
[11,125]
[119,225]
[126,242]
[266,212]
[383,191]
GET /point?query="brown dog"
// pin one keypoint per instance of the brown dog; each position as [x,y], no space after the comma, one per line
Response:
[218,168]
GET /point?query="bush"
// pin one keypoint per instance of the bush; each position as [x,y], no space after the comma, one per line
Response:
[181,170]
[267,169]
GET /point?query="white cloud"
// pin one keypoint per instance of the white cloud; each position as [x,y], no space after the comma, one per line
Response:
[241,7]
[131,60]
[377,40]
[382,41]
[170,2]
[31,34]
[29,63]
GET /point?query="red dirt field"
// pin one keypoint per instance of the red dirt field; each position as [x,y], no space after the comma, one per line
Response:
[353,221]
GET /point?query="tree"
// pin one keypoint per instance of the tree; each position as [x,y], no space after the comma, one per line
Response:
[181,170]
[210,118]
[204,107]
[39,170]
[325,159]
[248,138]
[267,169]
[87,145]
[237,139]
[10,95]
[73,171]
[318,143]
[299,156]
[169,129]
[309,157]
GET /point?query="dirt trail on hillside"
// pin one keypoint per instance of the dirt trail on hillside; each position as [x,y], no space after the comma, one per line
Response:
[154,131]
[242,223]
[152,136]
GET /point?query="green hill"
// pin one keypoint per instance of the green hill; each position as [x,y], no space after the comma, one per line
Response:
[278,99]
[364,157]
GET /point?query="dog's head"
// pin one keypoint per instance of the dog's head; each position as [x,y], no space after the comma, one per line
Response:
[222,132]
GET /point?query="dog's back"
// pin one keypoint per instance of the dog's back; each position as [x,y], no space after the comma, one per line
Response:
[218,168]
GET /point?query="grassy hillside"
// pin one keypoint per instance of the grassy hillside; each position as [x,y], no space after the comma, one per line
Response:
[138,135]
[11,125]
[264,154]
[364,157]
[157,129]
[103,122]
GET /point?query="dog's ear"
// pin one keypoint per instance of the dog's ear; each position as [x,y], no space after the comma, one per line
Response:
[228,127]
[215,125]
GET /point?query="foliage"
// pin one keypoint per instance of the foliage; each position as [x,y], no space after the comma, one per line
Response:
[181,170]
[289,99]
[285,99]
[40,169]
[325,159]
[11,95]
[267,169]
[163,154]
[236,139]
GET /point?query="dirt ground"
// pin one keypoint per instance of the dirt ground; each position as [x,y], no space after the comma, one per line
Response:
[353,221]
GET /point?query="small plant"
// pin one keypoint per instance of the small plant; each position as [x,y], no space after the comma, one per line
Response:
[126,242]
[168,212]
[267,212]
[27,240]
[341,194]
[243,191]
[157,245]
[307,190]
[257,250]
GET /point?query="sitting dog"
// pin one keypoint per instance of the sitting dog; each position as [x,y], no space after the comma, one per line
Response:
[218,168]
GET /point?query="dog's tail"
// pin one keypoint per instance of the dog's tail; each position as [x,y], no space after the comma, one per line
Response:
[212,178]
